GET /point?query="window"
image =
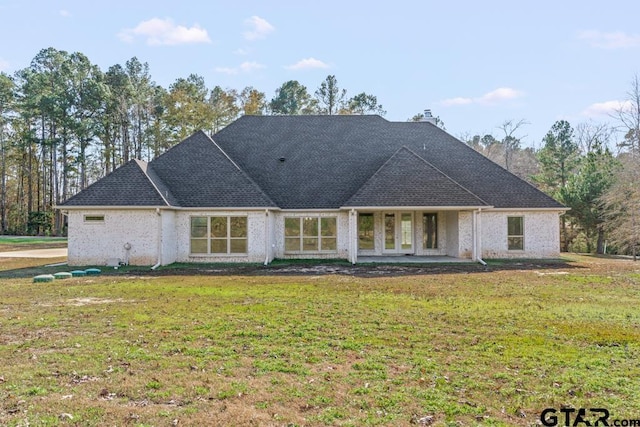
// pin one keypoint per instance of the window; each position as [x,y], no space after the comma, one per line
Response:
[219,235]
[430,227]
[94,218]
[310,234]
[515,233]
[365,232]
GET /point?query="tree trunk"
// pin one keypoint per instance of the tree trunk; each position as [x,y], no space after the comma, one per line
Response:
[3,185]
[600,245]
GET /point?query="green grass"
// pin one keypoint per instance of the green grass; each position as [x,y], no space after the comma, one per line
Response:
[321,350]
[18,243]
[30,240]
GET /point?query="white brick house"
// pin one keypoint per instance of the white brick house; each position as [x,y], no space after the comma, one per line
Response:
[269,187]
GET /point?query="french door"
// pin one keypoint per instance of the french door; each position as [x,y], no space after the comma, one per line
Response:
[398,233]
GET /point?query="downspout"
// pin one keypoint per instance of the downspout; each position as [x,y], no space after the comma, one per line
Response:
[159,214]
[267,240]
[477,222]
[352,236]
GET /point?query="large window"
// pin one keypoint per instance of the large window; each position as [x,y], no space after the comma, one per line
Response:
[219,235]
[430,227]
[365,232]
[310,234]
[515,233]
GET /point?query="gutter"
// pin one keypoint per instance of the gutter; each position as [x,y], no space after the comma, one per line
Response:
[159,240]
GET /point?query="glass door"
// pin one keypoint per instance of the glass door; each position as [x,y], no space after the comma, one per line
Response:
[398,232]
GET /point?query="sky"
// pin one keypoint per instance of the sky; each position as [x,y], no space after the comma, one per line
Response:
[475,64]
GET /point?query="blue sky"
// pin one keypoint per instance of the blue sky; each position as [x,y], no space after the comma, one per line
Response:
[475,64]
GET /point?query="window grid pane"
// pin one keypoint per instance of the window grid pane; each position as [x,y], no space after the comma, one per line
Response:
[515,233]
[198,246]
[310,227]
[365,231]
[238,246]
[291,227]
[310,234]
[238,227]
[389,231]
[199,227]
[219,226]
[430,226]
[219,235]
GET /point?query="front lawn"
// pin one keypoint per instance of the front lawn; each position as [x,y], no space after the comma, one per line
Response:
[486,347]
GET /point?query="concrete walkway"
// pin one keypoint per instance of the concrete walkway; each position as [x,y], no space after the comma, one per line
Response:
[36,253]
[398,259]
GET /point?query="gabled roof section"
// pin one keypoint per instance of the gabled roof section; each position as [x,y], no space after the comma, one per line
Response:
[406,179]
[326,160]
[200,174]
[128,185]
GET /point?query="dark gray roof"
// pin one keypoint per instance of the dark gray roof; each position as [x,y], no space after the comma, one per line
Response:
[327,159]
[128,185]
[200,174]
[316,162]
[408,180]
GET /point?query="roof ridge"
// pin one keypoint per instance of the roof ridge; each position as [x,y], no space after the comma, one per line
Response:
[443,174]
[404,147]
[240,170]
[144,167]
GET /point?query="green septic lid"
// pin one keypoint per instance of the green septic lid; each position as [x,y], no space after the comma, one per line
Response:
[63,275]
[92,271]
[78,273]
[43,278]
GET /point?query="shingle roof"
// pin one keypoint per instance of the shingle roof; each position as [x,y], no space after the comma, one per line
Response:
[199,174]
[327,159]
[128,185]
[316,162]
[408,180]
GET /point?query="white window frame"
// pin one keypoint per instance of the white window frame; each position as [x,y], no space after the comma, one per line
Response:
[521,236]
[93,218]
[228,237]
[301,236]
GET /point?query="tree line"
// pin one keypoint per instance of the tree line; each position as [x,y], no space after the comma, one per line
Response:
[64,123]
[587,168]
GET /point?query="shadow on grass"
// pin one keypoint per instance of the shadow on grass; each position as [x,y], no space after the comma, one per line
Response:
[307,268]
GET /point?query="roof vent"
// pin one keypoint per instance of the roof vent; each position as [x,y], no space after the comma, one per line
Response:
[282,159]
[428,117]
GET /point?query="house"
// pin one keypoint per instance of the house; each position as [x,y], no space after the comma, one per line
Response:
[345,187]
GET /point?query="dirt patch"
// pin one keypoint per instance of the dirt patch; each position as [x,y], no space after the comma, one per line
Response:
[79,302]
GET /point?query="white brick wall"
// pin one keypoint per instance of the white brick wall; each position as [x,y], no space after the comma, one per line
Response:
[541,234]
[92,243]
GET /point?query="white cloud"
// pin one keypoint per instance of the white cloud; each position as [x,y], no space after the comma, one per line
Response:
[226,70]
[260,28]
[499,95]
[246,67]
[490,98]
[613,40]
[4,65]
[308,63]
[606,108]
[158,31]
[456,101]
[241,51]
[64,13]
